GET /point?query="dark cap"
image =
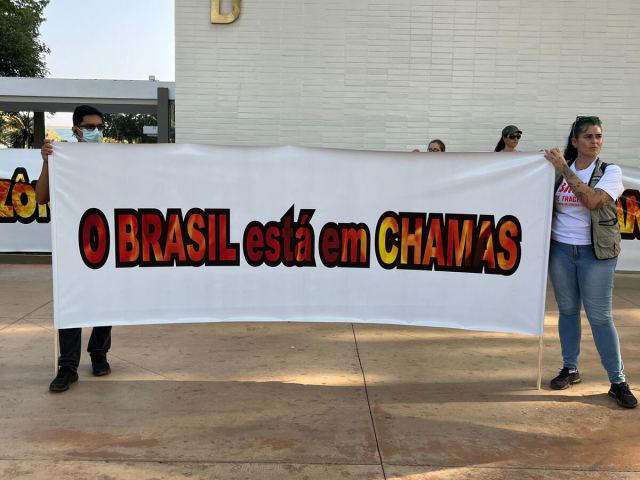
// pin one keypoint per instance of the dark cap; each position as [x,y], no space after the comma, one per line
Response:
[510,130]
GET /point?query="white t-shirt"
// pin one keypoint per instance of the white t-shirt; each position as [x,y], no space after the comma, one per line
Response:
[572,220]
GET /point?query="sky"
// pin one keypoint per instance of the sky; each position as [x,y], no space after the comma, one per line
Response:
[118,39]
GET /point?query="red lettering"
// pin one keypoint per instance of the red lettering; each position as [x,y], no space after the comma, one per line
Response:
[197,249]
[151,233]
[93,236]
[128,251]
[175,248]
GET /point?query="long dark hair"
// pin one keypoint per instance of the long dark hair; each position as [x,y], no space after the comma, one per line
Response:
[578,127]
[500,146]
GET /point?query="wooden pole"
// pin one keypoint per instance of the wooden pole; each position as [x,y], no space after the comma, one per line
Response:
[540,345]
[55,351]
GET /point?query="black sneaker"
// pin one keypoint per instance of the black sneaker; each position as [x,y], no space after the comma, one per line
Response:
[100,366]
[66,376]
[564,379]
[622,393]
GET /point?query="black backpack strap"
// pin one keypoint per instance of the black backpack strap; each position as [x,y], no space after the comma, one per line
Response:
[560,178]
[558,183]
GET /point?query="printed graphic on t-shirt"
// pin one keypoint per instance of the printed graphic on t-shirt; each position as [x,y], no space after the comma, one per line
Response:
[572,220]
[565,197]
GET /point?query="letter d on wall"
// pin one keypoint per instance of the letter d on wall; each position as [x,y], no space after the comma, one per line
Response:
[216,17]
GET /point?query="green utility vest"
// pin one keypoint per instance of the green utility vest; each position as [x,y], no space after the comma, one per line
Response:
[605,231]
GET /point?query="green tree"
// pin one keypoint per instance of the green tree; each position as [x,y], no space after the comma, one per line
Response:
[22,53]
[127,127]
[16,129]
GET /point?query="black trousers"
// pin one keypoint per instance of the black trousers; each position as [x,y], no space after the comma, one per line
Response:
[71,344]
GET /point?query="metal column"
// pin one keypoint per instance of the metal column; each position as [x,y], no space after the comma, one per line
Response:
[38,129]
[163,115]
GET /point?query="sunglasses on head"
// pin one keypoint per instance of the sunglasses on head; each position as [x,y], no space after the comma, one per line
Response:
[591,119]
[513,136]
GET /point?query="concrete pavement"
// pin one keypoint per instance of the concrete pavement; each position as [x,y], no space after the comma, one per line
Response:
[309,401]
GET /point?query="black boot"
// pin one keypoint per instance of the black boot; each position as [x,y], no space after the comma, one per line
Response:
[100,366]
[66,376]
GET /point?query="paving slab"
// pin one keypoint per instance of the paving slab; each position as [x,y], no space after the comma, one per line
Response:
[291,352]
[24,289]
[631,295]
[45,311]
[466,473]
[169,415]
[77,470]
[15,309]
[625,312]
[451,398]
[287,400]
[6,321]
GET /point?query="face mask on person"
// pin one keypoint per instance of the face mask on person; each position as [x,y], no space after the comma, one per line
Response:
[91,136]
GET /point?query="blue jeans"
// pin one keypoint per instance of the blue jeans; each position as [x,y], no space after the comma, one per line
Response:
[579,277]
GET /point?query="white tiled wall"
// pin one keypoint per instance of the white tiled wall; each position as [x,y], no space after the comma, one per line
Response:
[390,74]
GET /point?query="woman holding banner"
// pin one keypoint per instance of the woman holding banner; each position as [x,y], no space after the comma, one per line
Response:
[585,243]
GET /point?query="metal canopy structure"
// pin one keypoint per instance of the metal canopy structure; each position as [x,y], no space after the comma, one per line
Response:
[41,95]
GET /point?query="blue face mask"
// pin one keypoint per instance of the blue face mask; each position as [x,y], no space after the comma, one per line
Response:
[91,136]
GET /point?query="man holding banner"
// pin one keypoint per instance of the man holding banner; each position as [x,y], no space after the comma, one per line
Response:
[87,127]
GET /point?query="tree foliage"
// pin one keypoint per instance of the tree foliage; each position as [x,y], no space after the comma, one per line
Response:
[22,53]
[127,127]
[16,129]
[52,135]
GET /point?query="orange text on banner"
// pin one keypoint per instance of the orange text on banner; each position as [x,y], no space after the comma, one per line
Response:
[18,200]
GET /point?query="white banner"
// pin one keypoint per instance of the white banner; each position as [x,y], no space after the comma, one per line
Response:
[24,225]
[629,219]
[21,231]
[181,233]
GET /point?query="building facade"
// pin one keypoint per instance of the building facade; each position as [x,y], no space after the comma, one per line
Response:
[389,75]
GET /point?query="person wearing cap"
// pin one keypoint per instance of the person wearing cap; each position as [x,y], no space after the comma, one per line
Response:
[509,141]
